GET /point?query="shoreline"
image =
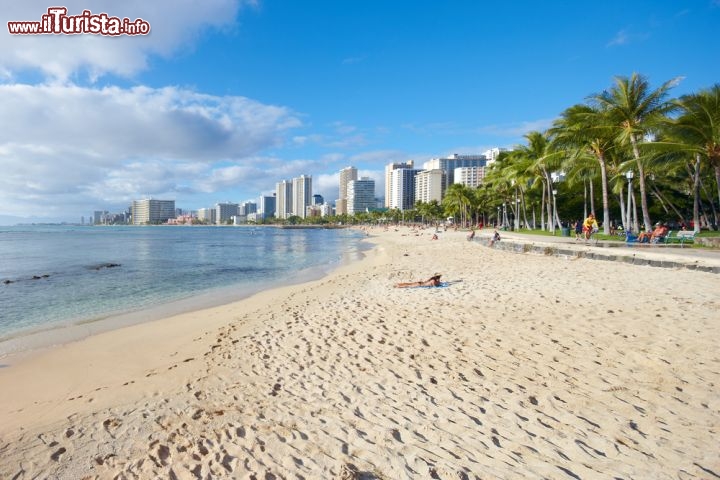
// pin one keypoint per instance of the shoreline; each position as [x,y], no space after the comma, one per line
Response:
[522,366]
[22,342]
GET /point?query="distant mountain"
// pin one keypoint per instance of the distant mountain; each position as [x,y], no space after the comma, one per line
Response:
[6,220]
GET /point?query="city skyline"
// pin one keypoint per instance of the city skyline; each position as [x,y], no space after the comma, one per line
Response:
[220,103]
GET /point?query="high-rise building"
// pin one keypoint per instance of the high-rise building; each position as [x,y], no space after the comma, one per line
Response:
[430,185]
[266,207]
[346,175]
[151,211]
[449,164]
[388,173]
[225,211]
[317,199]
[469,176]
[206,215]
[361,195]
[283,199]
[302,195]
[402,188]
[492,154]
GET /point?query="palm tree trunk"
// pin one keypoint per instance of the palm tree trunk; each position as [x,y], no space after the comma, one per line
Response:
[551,220]
[717,182]
[696,194]
[643,193]
[605,201]
[542,207]
[621,197]
[592,197]
[712,204]
[667,202]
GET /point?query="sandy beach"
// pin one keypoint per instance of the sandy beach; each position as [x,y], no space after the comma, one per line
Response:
[521,366]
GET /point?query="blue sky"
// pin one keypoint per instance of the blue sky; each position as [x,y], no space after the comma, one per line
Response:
[226,97]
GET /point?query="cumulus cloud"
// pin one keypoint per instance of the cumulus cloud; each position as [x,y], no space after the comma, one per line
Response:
[70,144]
[174,24]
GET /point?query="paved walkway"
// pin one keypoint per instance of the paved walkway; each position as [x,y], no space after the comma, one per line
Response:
[668,256]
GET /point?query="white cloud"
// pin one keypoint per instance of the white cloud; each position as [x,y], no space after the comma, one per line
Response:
[516,130]
[624,37]
[69,146]
[174,24]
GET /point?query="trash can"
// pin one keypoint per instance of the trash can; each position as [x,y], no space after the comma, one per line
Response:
[565,232]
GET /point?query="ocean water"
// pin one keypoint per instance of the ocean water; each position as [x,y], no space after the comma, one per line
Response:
[92,273]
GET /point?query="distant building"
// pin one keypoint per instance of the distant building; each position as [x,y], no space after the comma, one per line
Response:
[302,194]
[283,199]
[492,155]
[225,211]
[470,176]
[430,185]
[317,199]
[98,217]
[246,208]
[206,215]
[266,207]
[151,211]
[388,178]
[449,164]
[347,174]
[402,188]
[361,195]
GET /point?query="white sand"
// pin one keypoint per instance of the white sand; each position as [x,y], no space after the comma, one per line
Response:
[523,367]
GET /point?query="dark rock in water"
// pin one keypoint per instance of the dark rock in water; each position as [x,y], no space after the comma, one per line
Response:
[38,277]
[104,265]
[8,282]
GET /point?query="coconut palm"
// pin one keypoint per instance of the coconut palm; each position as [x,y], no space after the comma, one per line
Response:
[584,130]
[543,160]
[635,110]
[698,130]
[457,201]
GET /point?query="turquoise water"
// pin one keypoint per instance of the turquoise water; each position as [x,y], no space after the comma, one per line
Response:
[90,273]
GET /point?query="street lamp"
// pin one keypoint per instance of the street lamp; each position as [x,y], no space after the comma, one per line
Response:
[629,175]
[554,210]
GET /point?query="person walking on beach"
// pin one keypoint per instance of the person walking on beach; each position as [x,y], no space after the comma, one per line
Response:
[578,229]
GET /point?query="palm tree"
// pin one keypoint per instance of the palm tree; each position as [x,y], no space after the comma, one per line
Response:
[457,200]
[635,111]
[542,160]
[583,130]
[698,129]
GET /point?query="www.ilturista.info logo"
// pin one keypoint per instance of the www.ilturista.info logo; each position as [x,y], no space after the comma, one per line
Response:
[57,21]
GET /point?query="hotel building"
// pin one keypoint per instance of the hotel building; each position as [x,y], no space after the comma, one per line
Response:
[402,188]
[361,195]
[150,211]
[470,176]
[266,207]
[301,194]
[347,174]
[449,164]
[430,185]
[283,199]
[206,215]
[389,168]
[225,211]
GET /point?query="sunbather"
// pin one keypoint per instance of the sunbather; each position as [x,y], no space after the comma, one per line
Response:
[433,281]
